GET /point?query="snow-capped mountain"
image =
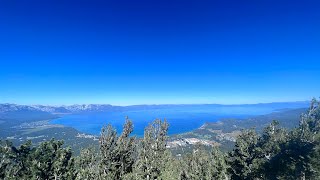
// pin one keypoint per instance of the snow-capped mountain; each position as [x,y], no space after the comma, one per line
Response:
[4,108]
[89,108]
[14,107]
[83,108]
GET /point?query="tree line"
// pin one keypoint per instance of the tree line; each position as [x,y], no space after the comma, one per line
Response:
[276,153]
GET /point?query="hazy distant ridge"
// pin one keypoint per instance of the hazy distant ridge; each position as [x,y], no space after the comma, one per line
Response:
[5,108]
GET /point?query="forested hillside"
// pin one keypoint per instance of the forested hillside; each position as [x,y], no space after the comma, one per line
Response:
[224,132]
[276,153]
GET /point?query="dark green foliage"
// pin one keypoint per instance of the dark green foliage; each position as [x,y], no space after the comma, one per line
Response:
[15,162]
[218,165]
[117,153]
[244,159]
[87,164]
[172,167]
[47,161]
[52,161]
[278,154]
[299,155]
[196,165]
[150,162]
[205,165]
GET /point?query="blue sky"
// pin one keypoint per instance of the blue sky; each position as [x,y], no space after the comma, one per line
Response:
[159,52]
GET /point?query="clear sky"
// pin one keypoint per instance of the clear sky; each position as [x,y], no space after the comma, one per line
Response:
[159,51]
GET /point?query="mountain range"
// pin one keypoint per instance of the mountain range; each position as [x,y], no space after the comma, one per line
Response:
[82,108]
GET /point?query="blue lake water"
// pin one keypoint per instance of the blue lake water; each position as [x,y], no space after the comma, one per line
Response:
[181,119]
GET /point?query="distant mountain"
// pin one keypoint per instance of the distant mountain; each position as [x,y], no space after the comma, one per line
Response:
[6,108]
[13,114]
[89,108]
[74,108]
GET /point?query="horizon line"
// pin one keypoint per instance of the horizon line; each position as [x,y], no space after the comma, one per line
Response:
[298,101]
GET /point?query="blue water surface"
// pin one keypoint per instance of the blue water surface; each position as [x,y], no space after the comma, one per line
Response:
[181,119]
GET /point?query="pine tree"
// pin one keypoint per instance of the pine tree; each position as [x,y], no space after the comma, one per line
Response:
[196,164]
[269,146]
[4,159]
[52,161]
[299,156]
[242,159]
[117,153]
[201,164]
[87,165]
[218,167]
[15,162]
[150,164]
[172,165]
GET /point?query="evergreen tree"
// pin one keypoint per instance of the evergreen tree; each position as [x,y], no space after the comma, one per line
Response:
[277,154]
[204,165]
[242,159]
[52,161]
[172,167]
[218,166]
[299,156]
[15,162]
[117,153]
[150,164]
[87,165]
[4,159]
[196,165]
[269,146]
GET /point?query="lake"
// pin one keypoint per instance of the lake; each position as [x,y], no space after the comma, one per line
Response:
[181,119]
